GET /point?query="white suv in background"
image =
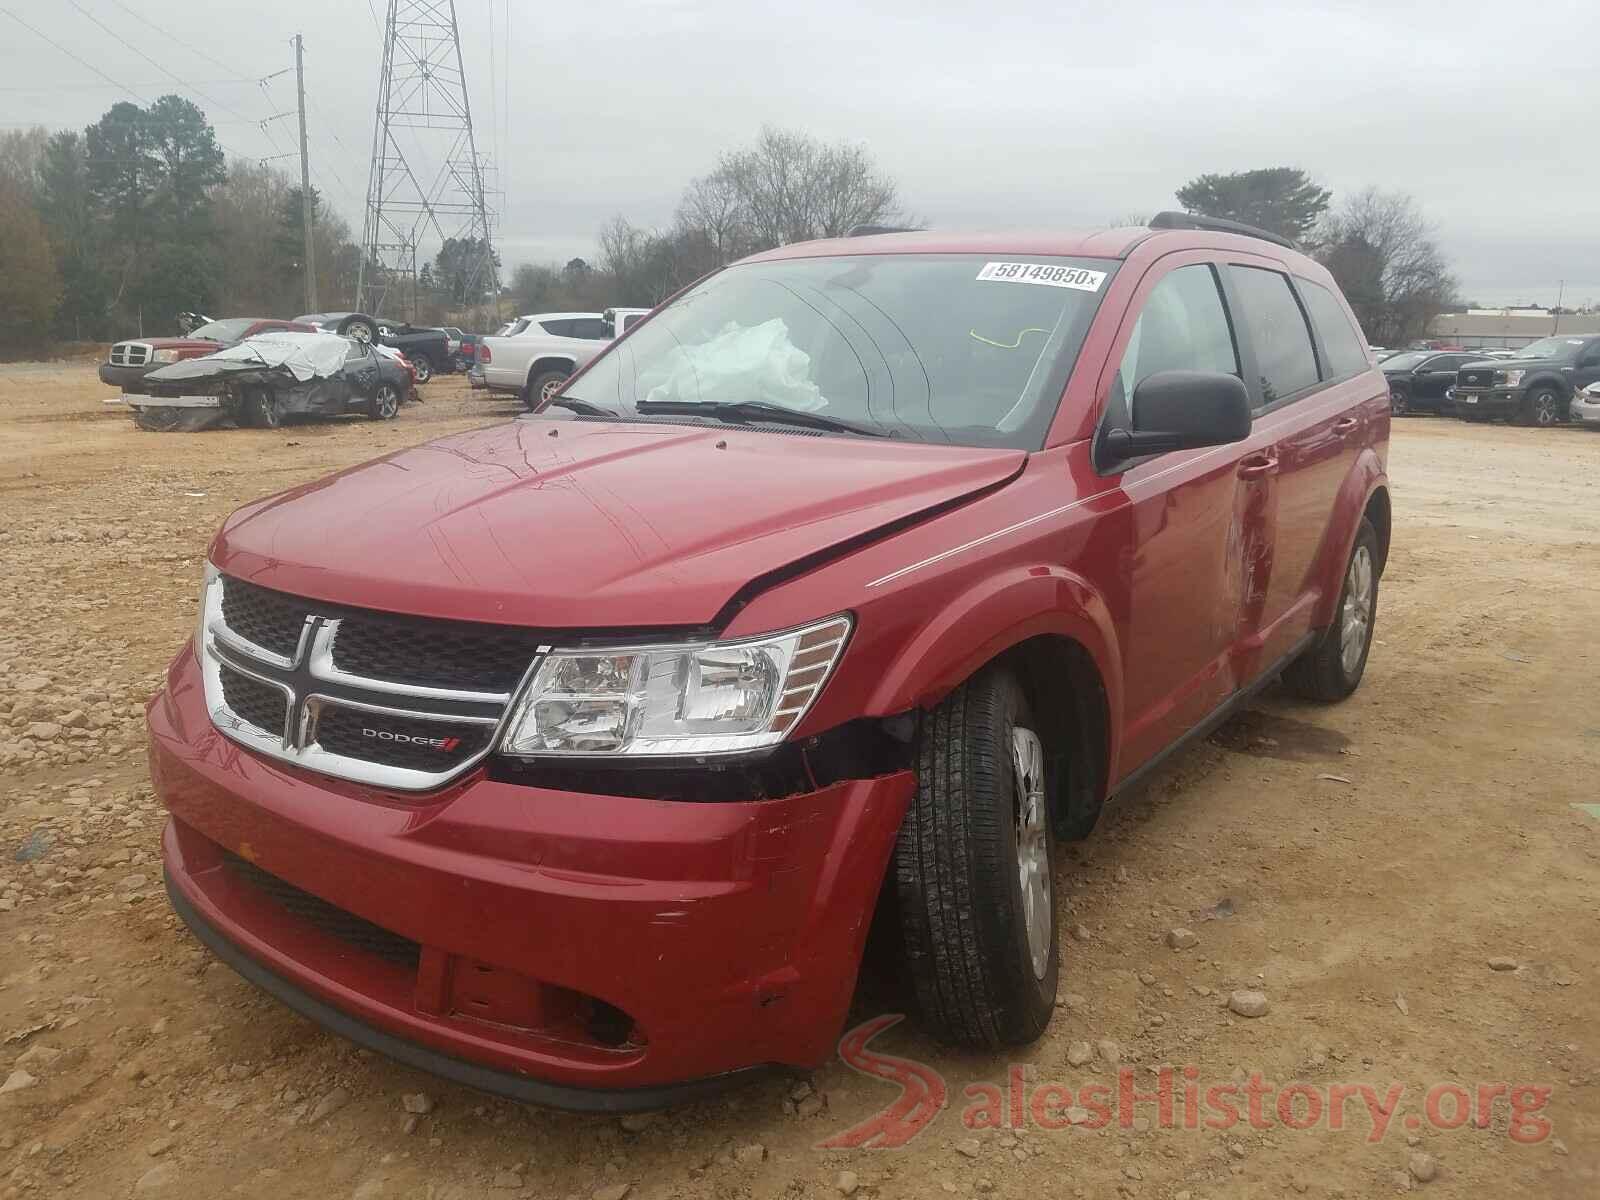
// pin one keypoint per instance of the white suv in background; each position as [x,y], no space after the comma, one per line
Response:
[541,350]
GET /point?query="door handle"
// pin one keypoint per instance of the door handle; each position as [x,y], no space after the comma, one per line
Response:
[1346,426]
[1258,466]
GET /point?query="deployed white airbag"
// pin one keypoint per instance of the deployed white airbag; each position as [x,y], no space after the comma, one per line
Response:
[303,355]
[740,363]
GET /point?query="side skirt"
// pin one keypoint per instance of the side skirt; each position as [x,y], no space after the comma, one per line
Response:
[1218,715]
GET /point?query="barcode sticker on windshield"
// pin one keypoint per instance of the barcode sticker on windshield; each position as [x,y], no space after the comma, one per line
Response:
[1042,273]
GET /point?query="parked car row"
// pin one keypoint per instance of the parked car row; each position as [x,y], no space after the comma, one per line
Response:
[1537,385]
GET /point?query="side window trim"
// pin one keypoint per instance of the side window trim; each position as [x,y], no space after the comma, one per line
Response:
[1324,371]
[1252,383]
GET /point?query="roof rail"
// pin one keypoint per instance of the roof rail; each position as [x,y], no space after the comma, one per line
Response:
[870,230]
[1183,220]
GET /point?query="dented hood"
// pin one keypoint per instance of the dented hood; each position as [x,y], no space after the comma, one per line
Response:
[589,525]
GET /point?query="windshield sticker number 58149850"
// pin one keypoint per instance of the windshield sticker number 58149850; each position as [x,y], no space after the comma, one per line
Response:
[1043,273]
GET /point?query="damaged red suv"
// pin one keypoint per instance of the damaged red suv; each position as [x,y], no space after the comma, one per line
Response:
[572,758]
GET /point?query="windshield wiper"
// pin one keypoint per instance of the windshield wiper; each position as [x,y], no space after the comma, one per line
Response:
[582,407]
[756,410]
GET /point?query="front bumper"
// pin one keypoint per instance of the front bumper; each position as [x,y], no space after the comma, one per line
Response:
[722,937]
[128,379]
[1585,409]
[1486,402]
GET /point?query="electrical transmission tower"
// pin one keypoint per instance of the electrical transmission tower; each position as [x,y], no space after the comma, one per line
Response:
[423,131]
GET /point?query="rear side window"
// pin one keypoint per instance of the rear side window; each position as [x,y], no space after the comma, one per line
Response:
[1277,331]
[558,328]
[1183,327]
[1346,352]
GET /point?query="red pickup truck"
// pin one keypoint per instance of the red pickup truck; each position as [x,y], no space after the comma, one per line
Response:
[129,362]
[571,758]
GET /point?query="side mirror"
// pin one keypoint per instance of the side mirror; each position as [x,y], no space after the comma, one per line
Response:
[1183,410]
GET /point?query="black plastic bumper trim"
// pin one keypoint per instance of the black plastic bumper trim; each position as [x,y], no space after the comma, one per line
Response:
[456,1070]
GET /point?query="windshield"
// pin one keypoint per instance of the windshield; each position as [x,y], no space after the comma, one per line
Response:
[230,330]
[1551,347]
[933,347]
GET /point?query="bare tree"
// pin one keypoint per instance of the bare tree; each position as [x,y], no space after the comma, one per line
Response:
[713,210]
[790,188]
[1381,249]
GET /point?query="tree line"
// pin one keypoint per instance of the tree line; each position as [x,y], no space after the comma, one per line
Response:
[121,226]
[141,216]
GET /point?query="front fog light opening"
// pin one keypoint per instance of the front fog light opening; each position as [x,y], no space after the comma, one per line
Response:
[674,700]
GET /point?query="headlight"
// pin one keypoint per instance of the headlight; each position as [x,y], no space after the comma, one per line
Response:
[210,583]
[1512,378]
[163,356]
[706,698]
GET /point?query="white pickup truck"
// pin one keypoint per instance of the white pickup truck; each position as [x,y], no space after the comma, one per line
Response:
[541,350]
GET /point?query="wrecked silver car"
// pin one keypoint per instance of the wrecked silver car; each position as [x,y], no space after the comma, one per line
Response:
[263,380]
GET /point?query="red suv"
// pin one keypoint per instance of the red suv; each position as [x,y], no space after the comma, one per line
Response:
[571,758]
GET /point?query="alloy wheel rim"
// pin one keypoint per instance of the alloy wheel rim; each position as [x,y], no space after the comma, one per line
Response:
[388,404]
[550,389]
[1544,408]
[1356,615]
[1397,401]
[1033,846]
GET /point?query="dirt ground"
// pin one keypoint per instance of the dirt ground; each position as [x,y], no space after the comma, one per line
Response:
[1376,856]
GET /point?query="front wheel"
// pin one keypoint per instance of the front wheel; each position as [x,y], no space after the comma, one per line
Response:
[261,408]
[1542,408]
[973,869]
[1332,667]
[158,418]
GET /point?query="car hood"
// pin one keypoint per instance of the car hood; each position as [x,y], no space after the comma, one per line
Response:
[1524,364]
[571,524]
[190,345]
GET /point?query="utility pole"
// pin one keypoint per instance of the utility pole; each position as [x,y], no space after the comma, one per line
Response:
[1561,294]
[305,179]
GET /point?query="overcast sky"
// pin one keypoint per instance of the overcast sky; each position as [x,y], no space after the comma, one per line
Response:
[989,115]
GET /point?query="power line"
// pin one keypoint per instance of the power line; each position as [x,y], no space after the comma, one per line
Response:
[81,61]
[97,87]
[109,32]
[168,34]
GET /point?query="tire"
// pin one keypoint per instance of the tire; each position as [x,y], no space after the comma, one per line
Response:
[261,409]
[1332,667]
[981,977]
[385,403]
[423,365]
[363,329]
[1542,407]
[158,418]
[541,387]
[1399,402]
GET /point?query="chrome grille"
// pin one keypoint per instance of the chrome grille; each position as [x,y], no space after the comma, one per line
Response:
[371,697]
[130,354]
